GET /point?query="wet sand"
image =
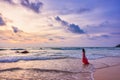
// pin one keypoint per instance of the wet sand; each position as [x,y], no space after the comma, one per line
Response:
[109,73]
[61,69]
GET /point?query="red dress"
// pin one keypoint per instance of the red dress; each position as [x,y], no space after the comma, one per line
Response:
[84,59]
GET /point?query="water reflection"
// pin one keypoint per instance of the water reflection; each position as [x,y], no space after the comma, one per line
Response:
[88,69]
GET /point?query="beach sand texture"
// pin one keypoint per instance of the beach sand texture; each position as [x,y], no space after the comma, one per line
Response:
[61,69]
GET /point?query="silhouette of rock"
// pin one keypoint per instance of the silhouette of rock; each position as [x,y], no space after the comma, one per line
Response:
[24,52]
[118,45]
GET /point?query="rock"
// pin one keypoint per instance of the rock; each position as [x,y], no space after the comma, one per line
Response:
[118,45]
[25,52]
[17,52]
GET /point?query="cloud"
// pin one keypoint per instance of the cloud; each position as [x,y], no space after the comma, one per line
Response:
[9,1]
[70,27]
[97,36]
[1,21]
[15,29]
[116,33]
[75,29]
[53,38]
[74,11]
[18,37]
[103,27]
[11,34]
[83,10]
[35,6]
[61,21]
[60,37]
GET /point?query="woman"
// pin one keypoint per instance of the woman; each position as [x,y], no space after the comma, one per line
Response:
[84,58]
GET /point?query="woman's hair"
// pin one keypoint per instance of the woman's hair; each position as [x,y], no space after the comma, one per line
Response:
[83,50]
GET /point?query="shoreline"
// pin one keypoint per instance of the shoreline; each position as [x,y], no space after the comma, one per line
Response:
[65,69]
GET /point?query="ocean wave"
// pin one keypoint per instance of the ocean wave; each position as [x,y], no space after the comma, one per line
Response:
[57,53]
[17,49]
[67,48]
[37,69]
[27,58]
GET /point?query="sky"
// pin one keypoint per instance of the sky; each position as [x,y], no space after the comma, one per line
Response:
[59,23]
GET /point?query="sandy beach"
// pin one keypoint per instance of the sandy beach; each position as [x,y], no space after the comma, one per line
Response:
[61,69]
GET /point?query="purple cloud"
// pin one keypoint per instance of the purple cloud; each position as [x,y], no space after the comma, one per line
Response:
[105,36]
[83,10]
[75,29]
[15,29]
[60,37]
[57,37]
[1,21]
[61,21]
[74,11]
[51,39]
[35,6]
[94,37]
[103,27]
[116,33]
[70,27]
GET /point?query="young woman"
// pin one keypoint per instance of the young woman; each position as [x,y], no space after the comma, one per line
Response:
[84,58]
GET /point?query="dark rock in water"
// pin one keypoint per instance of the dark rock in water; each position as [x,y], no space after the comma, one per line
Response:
[2,49]
[40,48]
[118,45]
[17,52]
[25,52]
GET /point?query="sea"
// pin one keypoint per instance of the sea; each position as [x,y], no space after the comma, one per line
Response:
[50,53]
